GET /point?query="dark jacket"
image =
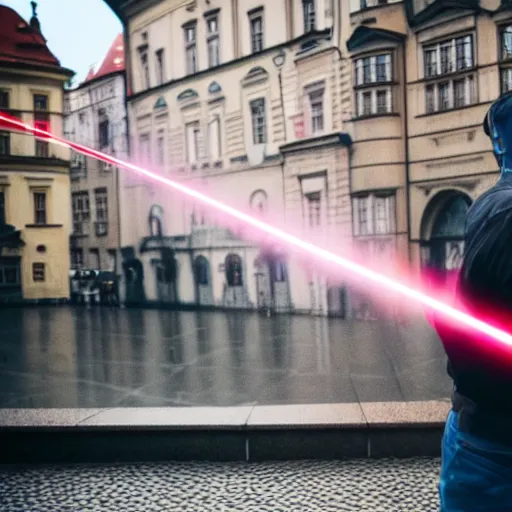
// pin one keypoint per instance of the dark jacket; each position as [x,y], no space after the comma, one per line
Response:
[480,367]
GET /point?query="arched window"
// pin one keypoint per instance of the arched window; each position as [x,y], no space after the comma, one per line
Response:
[451,219]
[233,266]
[201,270]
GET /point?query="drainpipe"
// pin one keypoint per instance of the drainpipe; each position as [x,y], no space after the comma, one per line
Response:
[406,151]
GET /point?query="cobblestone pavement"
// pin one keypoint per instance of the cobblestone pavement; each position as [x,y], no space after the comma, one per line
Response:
[344,486]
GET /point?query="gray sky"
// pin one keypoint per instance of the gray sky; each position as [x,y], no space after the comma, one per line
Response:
[78,32]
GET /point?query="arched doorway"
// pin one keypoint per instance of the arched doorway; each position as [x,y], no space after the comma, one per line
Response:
[234,293]
[272,285]
[134,279]
[202,279]
[442,230]
[166,273]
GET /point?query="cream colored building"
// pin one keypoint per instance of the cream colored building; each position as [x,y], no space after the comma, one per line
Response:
[35,210]
[424,76]
[245,99]
[372,113]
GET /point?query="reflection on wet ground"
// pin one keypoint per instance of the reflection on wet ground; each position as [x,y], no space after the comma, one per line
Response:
[65,357]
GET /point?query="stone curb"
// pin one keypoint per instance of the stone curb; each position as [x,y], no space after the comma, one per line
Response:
[251,433]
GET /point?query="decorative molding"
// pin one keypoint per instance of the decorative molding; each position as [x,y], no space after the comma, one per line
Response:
[466,184]
[451,162]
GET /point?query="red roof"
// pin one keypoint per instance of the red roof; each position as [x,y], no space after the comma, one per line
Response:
[19,42]
[113,61]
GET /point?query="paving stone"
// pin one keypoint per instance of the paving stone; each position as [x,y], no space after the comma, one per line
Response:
[341,486]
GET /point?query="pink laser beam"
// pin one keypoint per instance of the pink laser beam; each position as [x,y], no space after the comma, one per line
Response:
[276,233]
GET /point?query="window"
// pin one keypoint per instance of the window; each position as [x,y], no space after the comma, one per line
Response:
[38,272]
[40,208]
[191,49]
[506,42]
[506,80]
[40,102]
[101,200]
[314,209]
[103,129]
[374,70]
[308,10]
[374,102]
[77,258]
[212,39]
[5,143]
[160,73]
[259,125]
[214,146]
[81,213]
[42,122]
[446,95]
[144,149]
[160,148]
[4,99]
[144,64]
[256,22]
[234,271]
[2,208]
[449,56]
[374,214]
[316,104]
[193,139]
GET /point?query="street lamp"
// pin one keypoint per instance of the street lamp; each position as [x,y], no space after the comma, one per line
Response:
[278,61]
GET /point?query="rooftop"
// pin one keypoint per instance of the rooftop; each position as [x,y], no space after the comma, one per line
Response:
[22,42]
[113,61]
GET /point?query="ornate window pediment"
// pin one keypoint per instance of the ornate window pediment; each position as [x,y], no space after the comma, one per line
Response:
[254,76]
[364,36]
[422,11]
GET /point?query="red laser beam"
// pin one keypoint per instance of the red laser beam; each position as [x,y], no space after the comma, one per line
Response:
[276,233]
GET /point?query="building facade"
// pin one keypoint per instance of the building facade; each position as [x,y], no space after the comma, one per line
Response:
[95,116]
[244,100]
[357,122]
[424,76]
[35,210]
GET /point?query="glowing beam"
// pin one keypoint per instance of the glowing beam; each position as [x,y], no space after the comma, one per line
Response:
[276,233]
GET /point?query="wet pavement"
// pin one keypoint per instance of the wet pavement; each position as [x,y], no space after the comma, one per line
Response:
[63,357]
[344,486]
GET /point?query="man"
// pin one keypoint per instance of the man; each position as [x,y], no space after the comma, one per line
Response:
[476,472]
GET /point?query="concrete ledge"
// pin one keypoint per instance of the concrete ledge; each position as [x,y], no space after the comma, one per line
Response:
[317,431]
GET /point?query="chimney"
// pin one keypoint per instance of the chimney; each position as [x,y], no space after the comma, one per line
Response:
[34,21]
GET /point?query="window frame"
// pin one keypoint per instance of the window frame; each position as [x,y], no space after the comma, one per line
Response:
[364,206]
[257,38]
[191,56]
[160,66]
[38,272]
[101,205]
[40,214]
[213,40]
[448,47]
[258,134]
[309,15]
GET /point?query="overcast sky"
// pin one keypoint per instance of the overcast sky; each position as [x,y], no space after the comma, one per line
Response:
[78,32]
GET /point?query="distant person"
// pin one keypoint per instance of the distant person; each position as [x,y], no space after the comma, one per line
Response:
[476,472]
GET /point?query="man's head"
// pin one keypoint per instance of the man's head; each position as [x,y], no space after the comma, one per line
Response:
[498,127]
